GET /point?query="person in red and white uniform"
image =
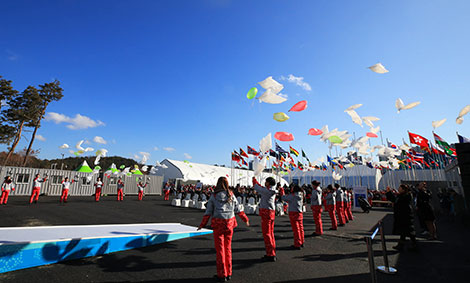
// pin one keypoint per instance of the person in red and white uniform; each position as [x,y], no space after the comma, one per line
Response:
[330,206]
[267,211]
[37,182]
[7,186]
[340,205]
[65,189]
[296,203]
[120,189]
[166,191]
[222,207]
[315,204]
[141,188]
[98,187]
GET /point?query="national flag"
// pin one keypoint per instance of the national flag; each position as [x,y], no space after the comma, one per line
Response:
[415,156]
[463,139]
[244,162]
[283,159]
[324,167]
[443,144]
[293,151]
[242,153]
[419,140]
[391,145]
[252,151]
[235,156]
[280,149]
[300,165]
[436,149]
[273,154]
[304,155]
[330,160]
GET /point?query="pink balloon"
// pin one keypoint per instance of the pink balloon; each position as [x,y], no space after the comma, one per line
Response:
[372,135]
[299,106]
[284,136]
[315,132]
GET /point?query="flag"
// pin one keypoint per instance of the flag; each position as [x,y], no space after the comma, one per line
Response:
[324,167]
[436,149]
[244,162]
[443,144]
[419,140]
[235,156]
[252,151]
[293,151]
[305,155]
[242,153]
[330,160]
[300,165]
[463,139]
[280,149]
[415,156]
[391,145]
[273,154]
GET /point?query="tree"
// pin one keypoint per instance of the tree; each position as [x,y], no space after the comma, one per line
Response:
[20,111]
[7,93]
[47,93]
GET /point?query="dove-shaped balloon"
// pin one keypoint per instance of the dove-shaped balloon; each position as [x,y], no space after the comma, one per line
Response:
[355,117]
[270,97]
[369,119]
[378,68]
[375,130]
[88,149]
[353,107]
[401,106]
[336,176]
[299,106]
[265,144]
[273,85]
[462,113]
[79,145]
[280,117]
[437,124]
[64,146]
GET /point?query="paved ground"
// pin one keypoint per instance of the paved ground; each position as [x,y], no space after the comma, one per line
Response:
[338,256]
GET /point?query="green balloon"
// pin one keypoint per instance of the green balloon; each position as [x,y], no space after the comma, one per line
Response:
[252,93]
[335,139]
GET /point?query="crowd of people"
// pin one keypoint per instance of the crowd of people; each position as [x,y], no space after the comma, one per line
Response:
[9,186]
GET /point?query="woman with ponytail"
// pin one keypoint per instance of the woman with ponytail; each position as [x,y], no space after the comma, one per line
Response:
[222,207]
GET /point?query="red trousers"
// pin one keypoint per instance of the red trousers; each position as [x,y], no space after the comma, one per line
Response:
[331,211]
[340,212]
[120,195]
[223,245]
[97,194]
[316,210]
[285,207]
[348,211]
[4,198]
[141,194]
[267,227]
[33,194]
[297,223]
[65,193]
[167,195]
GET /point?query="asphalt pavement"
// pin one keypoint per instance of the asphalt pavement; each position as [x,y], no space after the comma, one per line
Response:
[337,256]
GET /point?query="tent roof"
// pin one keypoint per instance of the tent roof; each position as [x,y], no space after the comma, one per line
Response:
[84,167]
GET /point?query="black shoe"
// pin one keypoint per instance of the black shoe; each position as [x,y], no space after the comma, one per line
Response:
[340,225]
[295,248]
[333,229]
[315,234]
[35,201]
[269,258]
[302,246]
[398,247]
[228,278]
[220,279]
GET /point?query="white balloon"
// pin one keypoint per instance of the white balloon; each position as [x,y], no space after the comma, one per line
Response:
[259,165]
[352,107]
[79,145]
[273,85]
[378,68]
[375,130]
[97,160]
[88,149]
[464,111]
[437,124]
[355,117]
[401,106]
[64,146]
[369,119]
[459,120]
[270,97]
[265,144]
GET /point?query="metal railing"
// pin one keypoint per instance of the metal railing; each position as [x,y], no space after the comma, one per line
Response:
[386,268]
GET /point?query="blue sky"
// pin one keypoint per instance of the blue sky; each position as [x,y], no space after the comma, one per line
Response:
[174,74]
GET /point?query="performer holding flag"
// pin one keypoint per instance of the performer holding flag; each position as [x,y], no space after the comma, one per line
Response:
[141,188]
[7,186]
[267,211]
[222,207]
[65,189]
[36,188]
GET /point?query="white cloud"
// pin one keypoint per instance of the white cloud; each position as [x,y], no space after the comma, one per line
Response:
[12,56]
[100,140]
[40,138]
[169,149]
[187,156]
[75,123]
[155,148]
[298,81]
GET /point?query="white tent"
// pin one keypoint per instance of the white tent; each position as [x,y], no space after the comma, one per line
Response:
[208,174]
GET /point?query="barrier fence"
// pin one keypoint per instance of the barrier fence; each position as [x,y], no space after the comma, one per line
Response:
[386,268]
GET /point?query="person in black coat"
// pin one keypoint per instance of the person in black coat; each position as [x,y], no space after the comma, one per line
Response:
[425,210]
[403,224]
